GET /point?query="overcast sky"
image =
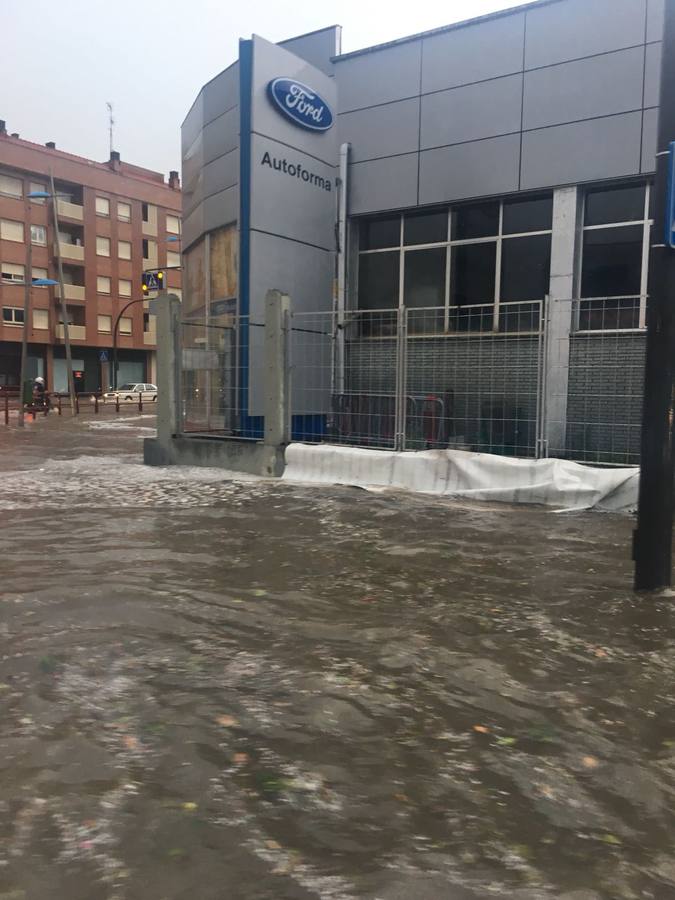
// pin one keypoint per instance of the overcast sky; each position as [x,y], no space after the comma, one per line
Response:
[61,60]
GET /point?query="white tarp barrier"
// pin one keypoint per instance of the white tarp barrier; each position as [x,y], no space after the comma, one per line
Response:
[456,473]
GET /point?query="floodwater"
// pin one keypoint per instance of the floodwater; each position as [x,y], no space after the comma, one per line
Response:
[215,688]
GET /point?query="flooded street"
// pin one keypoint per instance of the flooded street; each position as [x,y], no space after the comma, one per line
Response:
[218,689]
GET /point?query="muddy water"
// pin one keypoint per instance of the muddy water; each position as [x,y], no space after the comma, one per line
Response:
[245,689]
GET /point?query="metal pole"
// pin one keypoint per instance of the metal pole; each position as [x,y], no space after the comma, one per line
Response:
[27,284]
[114,336]
[62,298]
[652,546]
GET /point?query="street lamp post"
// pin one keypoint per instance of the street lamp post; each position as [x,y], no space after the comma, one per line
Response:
[62,294]
[27,284]
[114,336]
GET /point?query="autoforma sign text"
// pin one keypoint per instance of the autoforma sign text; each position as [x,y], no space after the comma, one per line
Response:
[300,104]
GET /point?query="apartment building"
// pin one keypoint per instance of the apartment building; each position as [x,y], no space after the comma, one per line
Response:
[115,221]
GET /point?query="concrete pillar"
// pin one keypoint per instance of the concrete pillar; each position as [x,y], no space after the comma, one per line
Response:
[167,310]
[277,407]
[559,313]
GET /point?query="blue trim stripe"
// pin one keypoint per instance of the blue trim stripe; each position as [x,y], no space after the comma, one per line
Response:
[245,104]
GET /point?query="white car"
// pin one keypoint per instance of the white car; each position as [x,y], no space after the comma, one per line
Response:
[131,392]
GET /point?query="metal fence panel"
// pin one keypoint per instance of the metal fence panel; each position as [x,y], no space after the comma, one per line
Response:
[473,387]
[208,377]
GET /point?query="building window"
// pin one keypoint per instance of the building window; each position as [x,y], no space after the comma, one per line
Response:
[11,187]
[38,234]
[124,212]
[172,224]
[146,322]
[474,267]
[614,258]
[11,231]
[102,284]
[104,324]
[39,273]
[12,315]
[146,249]
[102,206]
[37,187]
[102,246]
[173,260]
[145,212]
[124,287]
[125,325]
[124,250]
[41,319]
[12,273]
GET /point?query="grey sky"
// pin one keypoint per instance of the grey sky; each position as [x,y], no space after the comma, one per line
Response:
[61,61]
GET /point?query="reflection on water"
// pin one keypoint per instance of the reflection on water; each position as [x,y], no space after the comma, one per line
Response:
[218,689]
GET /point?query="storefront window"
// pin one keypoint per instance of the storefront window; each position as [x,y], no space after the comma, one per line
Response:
[614,258]
[424,289]
[460,265]
[425,228]
[380,233]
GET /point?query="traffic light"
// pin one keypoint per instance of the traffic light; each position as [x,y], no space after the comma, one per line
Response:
[152,281]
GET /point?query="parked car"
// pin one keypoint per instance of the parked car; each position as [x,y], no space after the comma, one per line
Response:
[130,393]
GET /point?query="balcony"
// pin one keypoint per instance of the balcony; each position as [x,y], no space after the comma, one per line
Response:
[69,251]
[75,332]
[70,210]
[71,291]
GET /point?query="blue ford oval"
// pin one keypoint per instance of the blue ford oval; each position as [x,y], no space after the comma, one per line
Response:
[300,104]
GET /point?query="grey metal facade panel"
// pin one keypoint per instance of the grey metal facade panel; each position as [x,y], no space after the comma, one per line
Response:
[221,135]
[652,74]
[192,227]
[583,151]
[649,140]
[597,86]
[655,20]
[476,169]
[222,93]
[385,131]
[193,174]
[193,123]
[379,77]
[558,32]
[474,53]
[470,113]
[221,173]
[222,208]
[383,184]
[317,48]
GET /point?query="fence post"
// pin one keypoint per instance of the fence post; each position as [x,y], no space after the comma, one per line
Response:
[95,403]
[77,405]
[58,403]
[558,322]
[277,369]
[167,310]
[401,399]
[117,403]
[6,409]
[140,402]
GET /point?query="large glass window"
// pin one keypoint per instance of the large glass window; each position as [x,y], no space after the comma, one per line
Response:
[424,289]
[379,233]
[460,265]
[378,280]
[614,258]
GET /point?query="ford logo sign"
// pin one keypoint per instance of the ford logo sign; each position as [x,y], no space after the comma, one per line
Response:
[300,104]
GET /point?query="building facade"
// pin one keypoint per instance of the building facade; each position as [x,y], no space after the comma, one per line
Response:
[115,220]
[489,182]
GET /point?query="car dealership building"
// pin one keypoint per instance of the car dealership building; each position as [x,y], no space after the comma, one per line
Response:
[462,216]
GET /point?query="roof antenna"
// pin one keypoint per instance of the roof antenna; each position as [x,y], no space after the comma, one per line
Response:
[111,123]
